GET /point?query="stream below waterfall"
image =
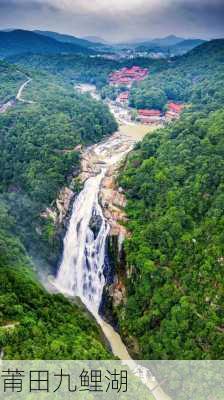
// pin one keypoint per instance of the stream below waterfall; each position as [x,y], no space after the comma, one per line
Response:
[81,273]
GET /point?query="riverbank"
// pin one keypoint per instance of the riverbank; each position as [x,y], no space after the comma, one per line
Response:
[97,212]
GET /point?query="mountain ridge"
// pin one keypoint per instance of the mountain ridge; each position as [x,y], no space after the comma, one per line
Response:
[22,41]
[66,38]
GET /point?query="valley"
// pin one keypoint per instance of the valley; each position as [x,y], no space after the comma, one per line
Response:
[99,204]
[141,239]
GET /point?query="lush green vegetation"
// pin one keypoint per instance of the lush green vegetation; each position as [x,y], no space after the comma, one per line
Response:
[38,154]
[71,67]
[38,157]
[40,325]
[21,41]
[193,78]
[145,97]
[11,79]
[174,182]
[80,68]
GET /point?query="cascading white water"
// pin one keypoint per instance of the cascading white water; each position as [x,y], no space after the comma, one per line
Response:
[81,272]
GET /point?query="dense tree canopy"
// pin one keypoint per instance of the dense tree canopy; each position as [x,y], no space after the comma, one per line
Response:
[82,68]
[175,302]
[11,79]
[38,139]
[193,78]
[148,98]
[38,153]
[38,157]
[174,183]
[40,325]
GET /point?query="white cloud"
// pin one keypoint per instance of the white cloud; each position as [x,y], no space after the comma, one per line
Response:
[102,7]
[117,19]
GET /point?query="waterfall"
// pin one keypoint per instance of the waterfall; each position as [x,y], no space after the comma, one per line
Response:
[81,271]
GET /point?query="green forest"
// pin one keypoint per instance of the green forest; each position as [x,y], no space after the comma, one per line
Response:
[38,157]
[80,68]
[33,323]
[11,79]
[38,153]
[193,78]
[174,183]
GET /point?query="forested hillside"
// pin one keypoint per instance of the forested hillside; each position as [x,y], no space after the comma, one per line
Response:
[60,37]
[33,323]
[38,158]
[174,183]
[37,146]
[11,79]
[170,45]
[21,41]
[81,68]
[193,78]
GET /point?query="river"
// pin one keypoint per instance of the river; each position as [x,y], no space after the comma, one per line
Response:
[81,272]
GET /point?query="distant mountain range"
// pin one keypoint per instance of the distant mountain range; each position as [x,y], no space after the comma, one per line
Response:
[18,41]
[21,41]
[185,46]
[170,40]
[171,44]
[64,38]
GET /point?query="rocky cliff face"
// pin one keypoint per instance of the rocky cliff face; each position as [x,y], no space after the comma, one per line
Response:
[62,204]
[113,202]
[54,220]
[114,294]
[60,210]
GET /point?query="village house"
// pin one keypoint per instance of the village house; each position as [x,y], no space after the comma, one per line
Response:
[150,116]
[122,98]
[173,111]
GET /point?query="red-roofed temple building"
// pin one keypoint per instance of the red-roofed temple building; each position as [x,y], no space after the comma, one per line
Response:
[174,110]
[150,116]
[126,76]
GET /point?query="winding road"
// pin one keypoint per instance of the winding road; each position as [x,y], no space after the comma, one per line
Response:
[4,107]
[20,92]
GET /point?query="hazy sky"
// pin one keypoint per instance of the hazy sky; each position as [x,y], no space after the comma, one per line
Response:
[117,20]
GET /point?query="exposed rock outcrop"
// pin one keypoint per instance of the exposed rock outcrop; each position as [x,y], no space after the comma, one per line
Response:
[113,201]
[63,203]
[61,208]
[95,224]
